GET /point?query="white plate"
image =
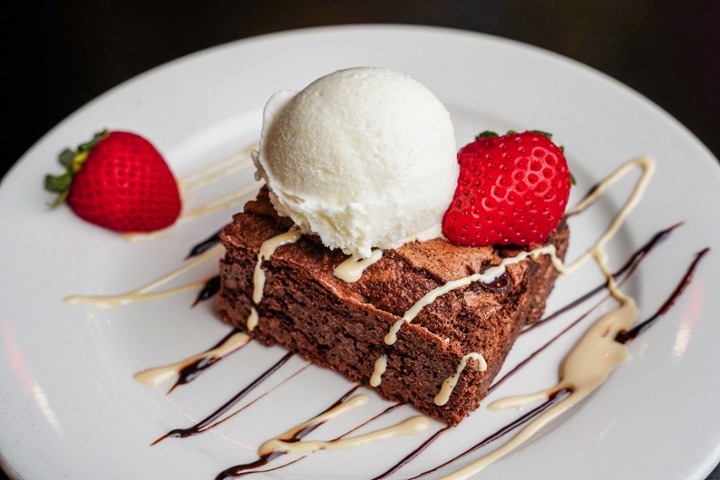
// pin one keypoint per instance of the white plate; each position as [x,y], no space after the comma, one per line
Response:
[70,408]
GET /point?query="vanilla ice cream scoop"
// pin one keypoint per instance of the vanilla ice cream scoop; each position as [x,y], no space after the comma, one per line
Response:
[364,158]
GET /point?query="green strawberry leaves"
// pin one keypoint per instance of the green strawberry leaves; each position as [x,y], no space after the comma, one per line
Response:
[486,134]
[73,161]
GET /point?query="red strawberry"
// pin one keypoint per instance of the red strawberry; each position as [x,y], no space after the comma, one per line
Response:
[118,181]
[512,189]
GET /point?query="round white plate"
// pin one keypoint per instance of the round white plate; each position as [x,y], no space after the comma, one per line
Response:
[69,407]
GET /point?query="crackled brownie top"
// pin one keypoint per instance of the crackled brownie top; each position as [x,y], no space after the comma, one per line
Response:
[402,276]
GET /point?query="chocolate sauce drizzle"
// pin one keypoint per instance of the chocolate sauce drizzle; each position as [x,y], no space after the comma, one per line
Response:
[591,191]
[204,245]
[242,470]
[632,334]
[624,337]
[554,398]
[629,267]
[193,370]
[411,456]
[209,290]
[210,420]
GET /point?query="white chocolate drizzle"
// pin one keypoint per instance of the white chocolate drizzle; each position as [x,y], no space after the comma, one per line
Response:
[449,383]
[232,199]
[647,166]
[147,291]
[252,320]
[353,267]
[218,170]
[380,367]
[492,273]
[487,276]
[267,248]
[286,443]
[597,354]
[157,375]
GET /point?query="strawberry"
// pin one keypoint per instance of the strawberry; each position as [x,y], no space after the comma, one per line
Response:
[512,189]
[118,181]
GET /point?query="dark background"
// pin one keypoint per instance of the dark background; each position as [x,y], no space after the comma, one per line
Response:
[61,54]
[64,53]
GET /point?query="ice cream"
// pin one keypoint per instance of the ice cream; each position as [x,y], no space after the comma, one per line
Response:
[364,158]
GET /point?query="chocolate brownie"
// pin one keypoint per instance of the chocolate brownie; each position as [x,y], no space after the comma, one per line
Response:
[341,325]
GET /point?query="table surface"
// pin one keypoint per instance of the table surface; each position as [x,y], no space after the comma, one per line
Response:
[63,54]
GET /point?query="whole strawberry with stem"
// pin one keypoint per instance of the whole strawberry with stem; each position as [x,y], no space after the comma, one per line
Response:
[512,189]
[118,180]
